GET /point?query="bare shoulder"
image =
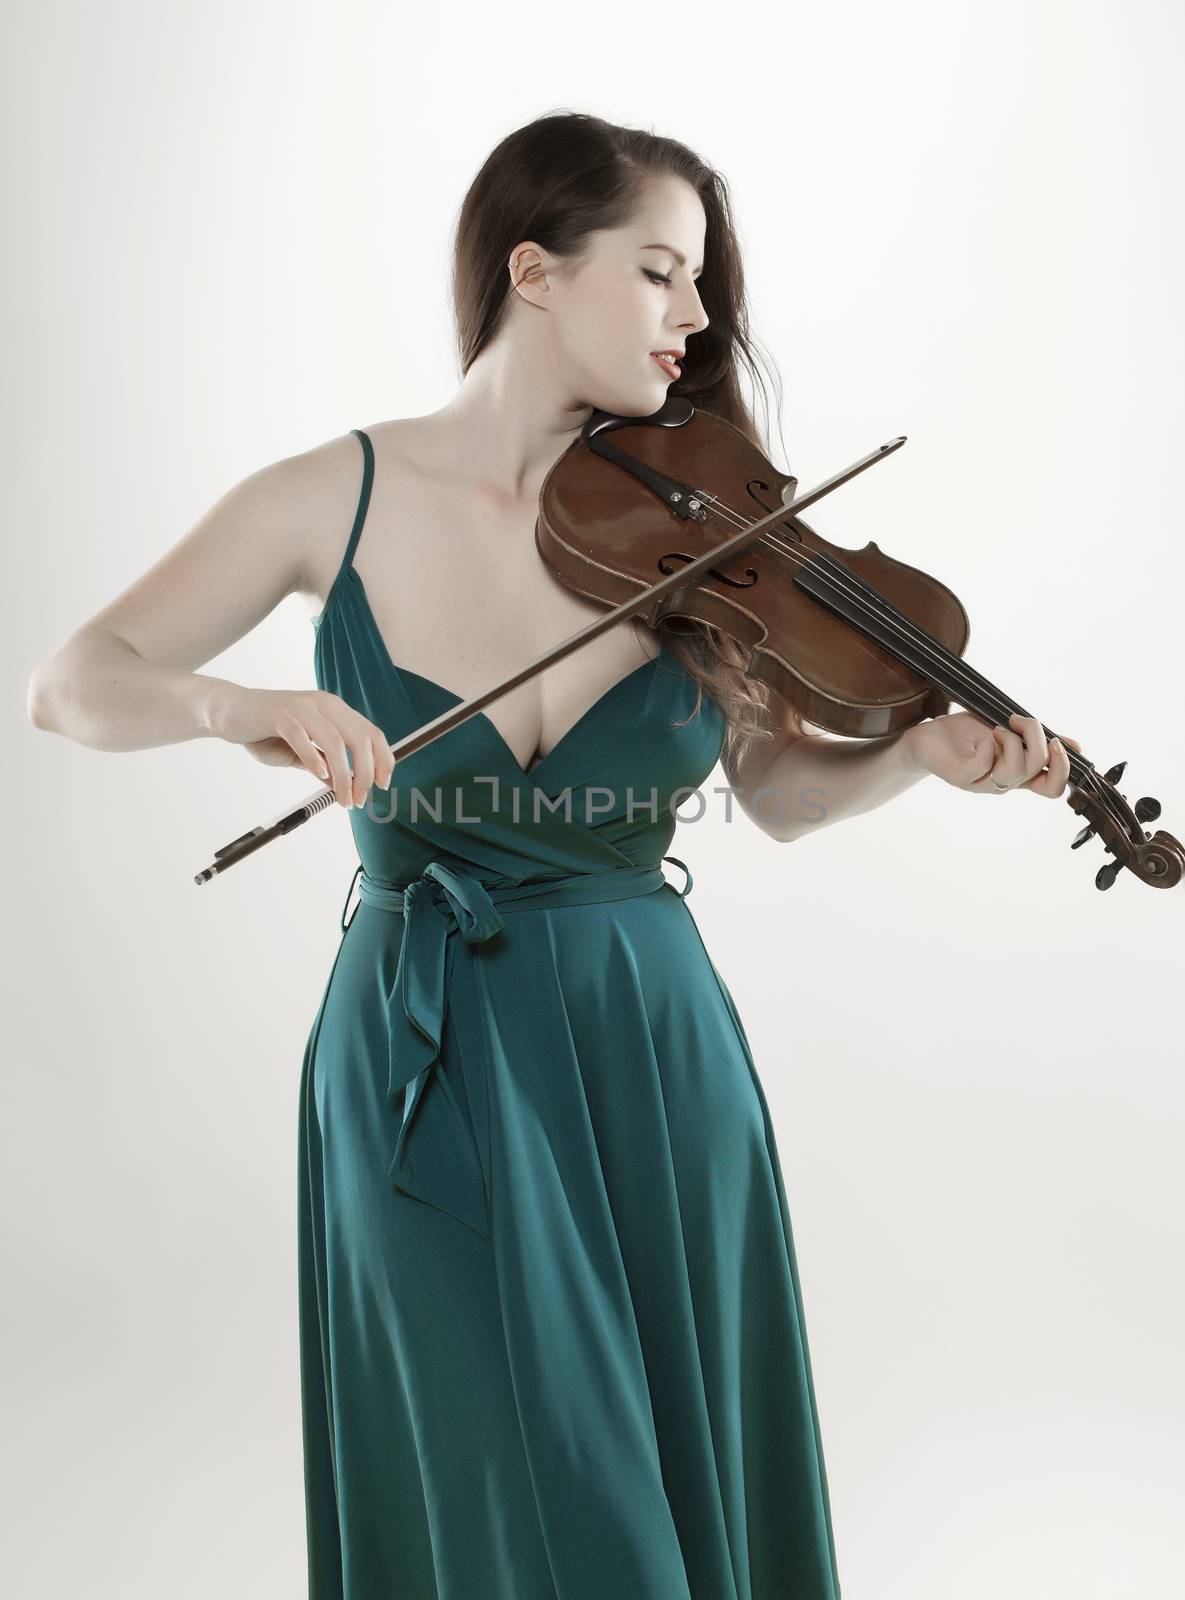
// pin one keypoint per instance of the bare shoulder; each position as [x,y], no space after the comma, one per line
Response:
[323,484]
[272,533]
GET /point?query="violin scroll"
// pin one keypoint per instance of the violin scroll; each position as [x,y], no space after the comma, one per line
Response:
[1155,858]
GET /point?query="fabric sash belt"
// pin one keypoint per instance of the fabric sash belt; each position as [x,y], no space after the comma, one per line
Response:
[436,1154]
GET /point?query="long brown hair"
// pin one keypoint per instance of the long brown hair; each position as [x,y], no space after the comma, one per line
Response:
[558,180]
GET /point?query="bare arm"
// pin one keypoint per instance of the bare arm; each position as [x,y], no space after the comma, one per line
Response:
[818,780]
[801,782]
[127,679]
[795,782]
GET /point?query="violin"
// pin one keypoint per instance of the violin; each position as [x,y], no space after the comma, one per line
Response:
[860,644]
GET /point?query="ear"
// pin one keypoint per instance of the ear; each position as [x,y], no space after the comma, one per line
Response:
[528,270]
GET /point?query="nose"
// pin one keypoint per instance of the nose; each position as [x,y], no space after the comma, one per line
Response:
[697,318]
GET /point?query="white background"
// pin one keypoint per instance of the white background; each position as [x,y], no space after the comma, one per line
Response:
[228,242]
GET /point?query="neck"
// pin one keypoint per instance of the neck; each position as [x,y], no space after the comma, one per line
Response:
[512,417]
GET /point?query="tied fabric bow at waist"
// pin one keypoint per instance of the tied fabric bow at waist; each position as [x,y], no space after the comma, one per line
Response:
[436,1152]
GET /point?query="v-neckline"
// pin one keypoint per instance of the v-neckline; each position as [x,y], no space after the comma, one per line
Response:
[500,739]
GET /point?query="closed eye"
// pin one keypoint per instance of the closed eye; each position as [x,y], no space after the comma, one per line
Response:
[656,277]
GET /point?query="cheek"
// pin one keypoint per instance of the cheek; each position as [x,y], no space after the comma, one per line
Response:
[622,337]
[604,342]
[616,320]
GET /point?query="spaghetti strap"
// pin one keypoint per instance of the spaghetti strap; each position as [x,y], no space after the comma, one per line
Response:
[363,501]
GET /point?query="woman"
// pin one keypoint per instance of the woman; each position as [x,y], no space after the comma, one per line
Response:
[552,1339]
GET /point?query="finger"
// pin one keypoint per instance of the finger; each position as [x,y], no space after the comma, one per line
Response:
[362,752]
[310,757]
[1048,784]
[293,733]
[333,747]
[1051,783]
[381,757]
[384,761]
[997,774]
[1036,748]
[1010,767]
[985,785]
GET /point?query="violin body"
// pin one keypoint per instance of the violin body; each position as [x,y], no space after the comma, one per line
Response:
[607,540]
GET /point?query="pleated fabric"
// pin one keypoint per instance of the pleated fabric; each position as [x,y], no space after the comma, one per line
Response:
[551,1329]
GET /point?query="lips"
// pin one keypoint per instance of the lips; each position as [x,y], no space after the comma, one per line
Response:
[668,364]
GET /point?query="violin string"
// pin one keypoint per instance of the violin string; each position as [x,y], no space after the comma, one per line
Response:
[868,600]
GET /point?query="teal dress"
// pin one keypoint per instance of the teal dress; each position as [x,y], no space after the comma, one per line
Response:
[551,1334]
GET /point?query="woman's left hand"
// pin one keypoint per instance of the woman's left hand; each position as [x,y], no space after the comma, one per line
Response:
[964,751]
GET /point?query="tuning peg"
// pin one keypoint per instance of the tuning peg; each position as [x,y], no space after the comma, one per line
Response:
[1106,875]
[1115,773]
[1083,835]
[1147,809]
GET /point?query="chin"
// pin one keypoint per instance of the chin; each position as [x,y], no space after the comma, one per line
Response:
[638,404]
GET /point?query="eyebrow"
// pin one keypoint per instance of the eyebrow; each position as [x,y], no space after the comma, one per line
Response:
[680,258]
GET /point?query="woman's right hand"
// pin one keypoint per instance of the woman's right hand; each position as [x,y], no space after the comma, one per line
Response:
[310,728]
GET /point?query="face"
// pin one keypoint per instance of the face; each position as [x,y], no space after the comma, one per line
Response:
[628,299]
